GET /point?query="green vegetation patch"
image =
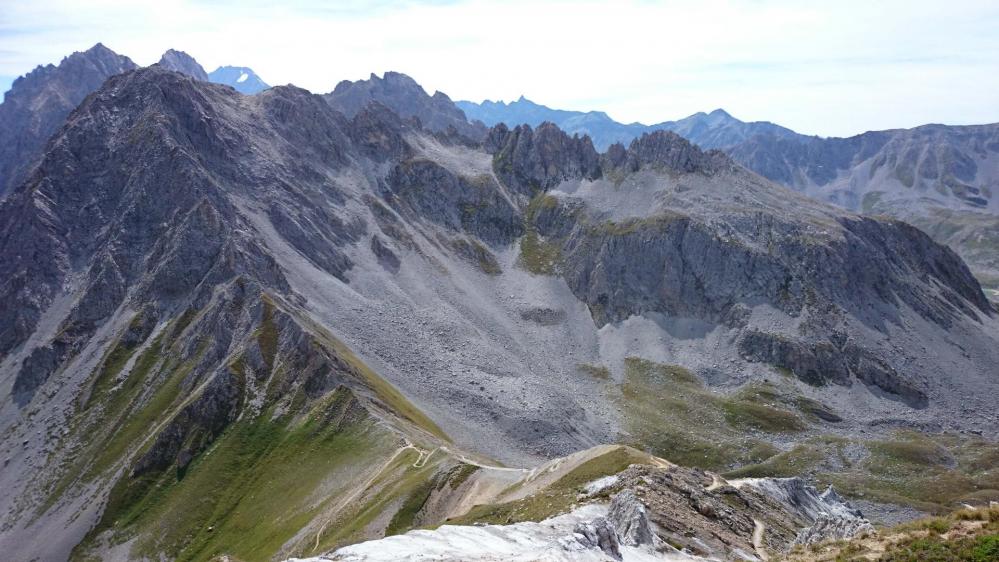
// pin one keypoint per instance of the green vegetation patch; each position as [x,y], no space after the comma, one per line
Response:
[948,538]
[800,459]
[538,255]
[635,225]
[870,201]
[968,535]
[929,472]
[267,334]
[938,549]
[401,487]
[669,412]
[405,518]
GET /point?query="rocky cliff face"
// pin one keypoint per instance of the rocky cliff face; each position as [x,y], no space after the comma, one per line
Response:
[237,298]
[536,160]
[694,254]
[38,103]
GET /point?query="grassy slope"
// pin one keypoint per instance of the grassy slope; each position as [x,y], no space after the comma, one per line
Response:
[669,412]
[261,482]
[119,412]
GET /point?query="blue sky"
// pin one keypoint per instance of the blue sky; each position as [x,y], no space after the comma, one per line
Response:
[828,68]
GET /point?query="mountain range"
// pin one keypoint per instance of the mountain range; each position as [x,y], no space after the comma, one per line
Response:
[940,178]
[279,325]
[716,129]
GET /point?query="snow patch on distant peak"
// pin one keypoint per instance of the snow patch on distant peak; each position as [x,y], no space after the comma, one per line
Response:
[242,77]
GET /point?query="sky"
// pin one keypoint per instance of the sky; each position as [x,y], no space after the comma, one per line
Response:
[826,68]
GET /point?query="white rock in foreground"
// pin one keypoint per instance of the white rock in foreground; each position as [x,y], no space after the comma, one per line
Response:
[551,540]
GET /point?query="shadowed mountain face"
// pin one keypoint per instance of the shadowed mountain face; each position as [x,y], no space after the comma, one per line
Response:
[38,103]
[242,324]
[404,96]
[243,79]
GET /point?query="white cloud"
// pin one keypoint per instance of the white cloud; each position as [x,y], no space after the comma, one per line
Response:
[824,68]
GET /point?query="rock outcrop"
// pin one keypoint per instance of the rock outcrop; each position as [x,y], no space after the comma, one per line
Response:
[829,516]
[628,517]
[535,160]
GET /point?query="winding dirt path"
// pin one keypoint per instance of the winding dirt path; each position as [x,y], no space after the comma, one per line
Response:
[758,529]
[467,460]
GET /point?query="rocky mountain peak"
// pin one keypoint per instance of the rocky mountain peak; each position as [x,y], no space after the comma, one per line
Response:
[406,97]
[541,158]
[398,79]
[38,103]
[98,52]
[179,61]
[669,150]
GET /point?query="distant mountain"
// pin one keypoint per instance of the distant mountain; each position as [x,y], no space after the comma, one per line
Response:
[38,103]
[243,79]
[951,165]
[404,96]
[179,61]
[717,129]
[601,129]
[944,179]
